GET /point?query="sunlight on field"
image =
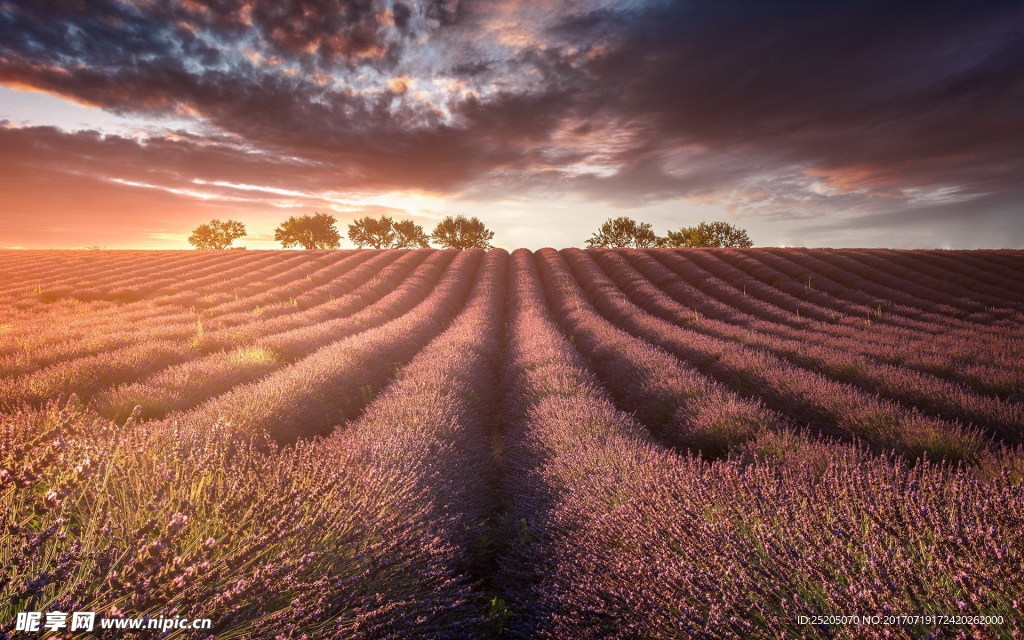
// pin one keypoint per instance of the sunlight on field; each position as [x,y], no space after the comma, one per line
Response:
[252,355]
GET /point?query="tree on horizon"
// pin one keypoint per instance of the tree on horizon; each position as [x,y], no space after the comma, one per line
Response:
[460,232]
[216,234]
[624,232]
[709,234]
[385,233]
[409,235]
[378,233]
[315,231]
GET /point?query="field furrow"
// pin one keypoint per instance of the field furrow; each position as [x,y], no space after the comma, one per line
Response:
[335,382]
[836,359]
[961,273]
[894,269]
[997,370]
[202,329]
[273,345]
[828,408]
[681,407]
[88,375]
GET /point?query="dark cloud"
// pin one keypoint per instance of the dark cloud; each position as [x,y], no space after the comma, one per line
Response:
[930,90]
[473,69]
[181,157]
[402,14]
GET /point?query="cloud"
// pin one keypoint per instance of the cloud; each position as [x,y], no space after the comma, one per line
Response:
[906,94]
[75,188]
[785,110]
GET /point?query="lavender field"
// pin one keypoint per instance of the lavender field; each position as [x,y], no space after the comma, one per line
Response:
[696,443]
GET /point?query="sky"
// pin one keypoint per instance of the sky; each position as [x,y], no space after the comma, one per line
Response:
[848,123]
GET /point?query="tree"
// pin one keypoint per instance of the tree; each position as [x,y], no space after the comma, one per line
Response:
[216,234]
[385,233]
[409,235]
[311,232]
[461,232]
[624,232]
[708,234]
[378,233]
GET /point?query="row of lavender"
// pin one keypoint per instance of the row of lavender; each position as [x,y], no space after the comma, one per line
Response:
[617,537]
[795,289]
[815,386]
[75,328]
[370,532]
[180,337]
[234,350]
[824,387]
[170,385]
[386,528]
[983,363]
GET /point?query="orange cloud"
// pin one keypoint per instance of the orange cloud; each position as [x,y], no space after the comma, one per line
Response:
[401,84]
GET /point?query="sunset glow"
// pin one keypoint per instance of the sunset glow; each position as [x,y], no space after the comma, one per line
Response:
[125,125]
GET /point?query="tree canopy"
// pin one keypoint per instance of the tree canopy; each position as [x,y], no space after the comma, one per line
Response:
[385,233]
[709,234]
[624,232]
[216,234]
[315,231]
[378,233]
[460,232]
[409,235]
